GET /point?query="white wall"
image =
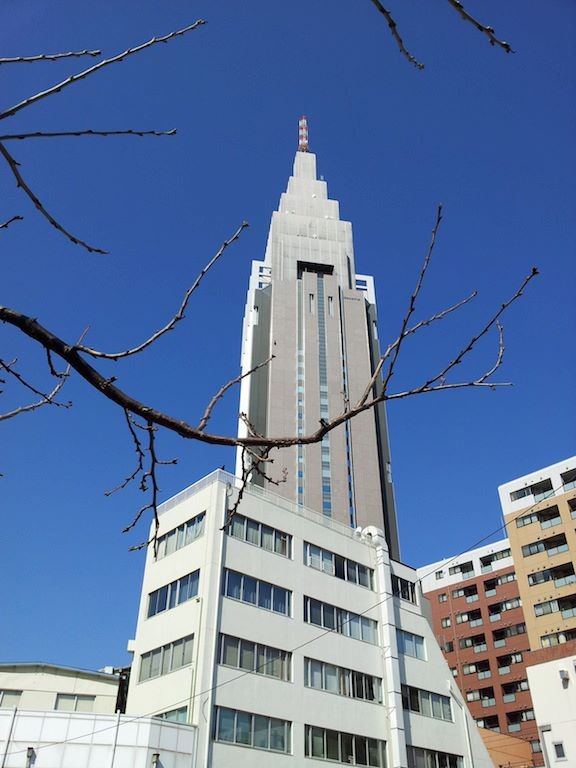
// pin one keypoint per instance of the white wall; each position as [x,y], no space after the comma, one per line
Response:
[41,683]
[554,700]
[75,740]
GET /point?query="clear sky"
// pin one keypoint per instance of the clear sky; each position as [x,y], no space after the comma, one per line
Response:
[489,135]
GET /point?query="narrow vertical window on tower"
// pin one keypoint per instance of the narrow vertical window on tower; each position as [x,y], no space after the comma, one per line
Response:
[324,412]
[300,403]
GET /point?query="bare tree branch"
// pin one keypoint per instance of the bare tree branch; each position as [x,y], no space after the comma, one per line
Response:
[71,354]
[252,462]
[45,399]
[222,391]
[88,132]
[13,164]
[180,314]
[140,455]
[409,331]
[6,224]
[494,320]
[396,35]
[101,64]
[48,57]
[412,304]
[488,31]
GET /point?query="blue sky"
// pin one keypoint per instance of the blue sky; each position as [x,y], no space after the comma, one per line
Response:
[487,134]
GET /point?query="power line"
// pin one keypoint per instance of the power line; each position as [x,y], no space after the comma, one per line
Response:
[242,675]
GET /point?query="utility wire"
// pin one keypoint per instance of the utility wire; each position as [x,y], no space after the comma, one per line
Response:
[174,705]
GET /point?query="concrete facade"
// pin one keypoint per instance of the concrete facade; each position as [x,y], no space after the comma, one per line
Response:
[48,687]
[356,675]
[552,676]
[479,623]
[540,514]
[308,308]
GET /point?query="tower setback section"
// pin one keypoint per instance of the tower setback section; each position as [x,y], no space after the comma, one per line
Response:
[308,308]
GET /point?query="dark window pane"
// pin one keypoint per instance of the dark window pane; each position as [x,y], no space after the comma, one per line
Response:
[243,728]
[361,750]
[332,745]
[278,735]
[265,595]
[230,651]
[233,584]
[261,735]
[225,725]
[249,590]
[281,602]
[247,655]
[162,599]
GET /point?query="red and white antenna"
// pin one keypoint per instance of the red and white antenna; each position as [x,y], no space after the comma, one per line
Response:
[303,134]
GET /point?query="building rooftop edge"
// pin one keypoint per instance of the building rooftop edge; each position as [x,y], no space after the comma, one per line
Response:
[25,665]
[569,463]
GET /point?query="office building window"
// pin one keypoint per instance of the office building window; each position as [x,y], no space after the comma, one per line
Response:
[404,589]
[419,757]
[410,644]
[167,658]
[446,622]
[181,536]
[559,751]
[426,703]
[344,748]
[442,597]
[74,702]
[9,699]
[254,657]
[179,715]
[173,594]
[254,532]
[247,589]
[257,731]
[341,621]
[336,565]
[344,682]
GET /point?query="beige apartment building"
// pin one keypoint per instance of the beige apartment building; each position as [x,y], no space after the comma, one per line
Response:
[540,514]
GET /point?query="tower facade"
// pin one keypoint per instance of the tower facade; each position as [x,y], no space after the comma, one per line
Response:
[309,309]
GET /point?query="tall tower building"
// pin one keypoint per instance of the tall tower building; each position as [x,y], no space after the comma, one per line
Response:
[308,308]
[293,634]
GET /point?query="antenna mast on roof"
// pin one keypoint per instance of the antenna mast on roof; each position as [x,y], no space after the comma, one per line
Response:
[303,134]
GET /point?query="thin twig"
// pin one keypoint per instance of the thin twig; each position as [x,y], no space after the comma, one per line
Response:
[48,57]
[180,314]
[412,304]
[6,224]
[88,132]
[409,331]
[46,399]
[396,35]
[32,328]
[87,72]
[139,453]
[494,320]
[13,164]
[222,391]
[488,31]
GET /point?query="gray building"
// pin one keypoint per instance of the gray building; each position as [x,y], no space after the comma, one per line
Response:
[309,308]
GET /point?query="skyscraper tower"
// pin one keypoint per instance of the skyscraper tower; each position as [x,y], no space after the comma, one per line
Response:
[307,306]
